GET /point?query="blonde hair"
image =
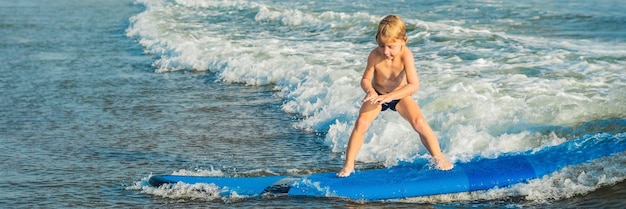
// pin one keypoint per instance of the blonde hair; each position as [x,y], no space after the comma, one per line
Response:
[391,27]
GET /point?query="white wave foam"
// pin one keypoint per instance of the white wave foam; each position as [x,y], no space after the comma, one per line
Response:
[183,191]
[482,91]
[198,191]
[199,172]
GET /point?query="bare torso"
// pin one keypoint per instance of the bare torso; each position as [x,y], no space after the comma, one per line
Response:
[389,75]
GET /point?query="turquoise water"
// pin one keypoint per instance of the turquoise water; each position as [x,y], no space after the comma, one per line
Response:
[96,96]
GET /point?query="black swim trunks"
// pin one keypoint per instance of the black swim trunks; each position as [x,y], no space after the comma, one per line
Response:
[391,105]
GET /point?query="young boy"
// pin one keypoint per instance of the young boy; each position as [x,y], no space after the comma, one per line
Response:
[389,79]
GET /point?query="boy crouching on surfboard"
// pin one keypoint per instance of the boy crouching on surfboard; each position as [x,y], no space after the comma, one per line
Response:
[389,79]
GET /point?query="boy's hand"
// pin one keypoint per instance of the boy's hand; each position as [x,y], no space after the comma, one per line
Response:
[381,99]
[370,97]
[374,98]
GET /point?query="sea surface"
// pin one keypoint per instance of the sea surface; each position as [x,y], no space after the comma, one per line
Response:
[97,96]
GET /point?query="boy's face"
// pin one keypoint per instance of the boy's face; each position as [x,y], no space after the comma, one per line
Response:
[390,47]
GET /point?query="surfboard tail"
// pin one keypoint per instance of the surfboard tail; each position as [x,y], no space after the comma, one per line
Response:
[249,186]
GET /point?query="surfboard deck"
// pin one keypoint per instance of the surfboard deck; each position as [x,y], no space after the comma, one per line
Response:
[417,179]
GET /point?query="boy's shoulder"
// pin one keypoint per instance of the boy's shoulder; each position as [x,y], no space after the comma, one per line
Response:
[375,56]
[408,54]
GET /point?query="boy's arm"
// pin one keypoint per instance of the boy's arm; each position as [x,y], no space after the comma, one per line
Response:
[366,80]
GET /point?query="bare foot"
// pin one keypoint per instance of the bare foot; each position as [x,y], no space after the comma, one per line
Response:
[345,173]
[442,163]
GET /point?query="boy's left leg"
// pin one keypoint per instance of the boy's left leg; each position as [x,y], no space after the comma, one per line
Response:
[411,111]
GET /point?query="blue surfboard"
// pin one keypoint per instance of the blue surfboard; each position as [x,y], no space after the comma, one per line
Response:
[414,180]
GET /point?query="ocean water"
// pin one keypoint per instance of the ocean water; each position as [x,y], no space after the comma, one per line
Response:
[97,96]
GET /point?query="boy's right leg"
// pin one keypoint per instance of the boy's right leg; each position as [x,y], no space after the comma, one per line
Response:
[367,114]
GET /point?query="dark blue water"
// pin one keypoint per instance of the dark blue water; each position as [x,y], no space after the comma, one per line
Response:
[83,114]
